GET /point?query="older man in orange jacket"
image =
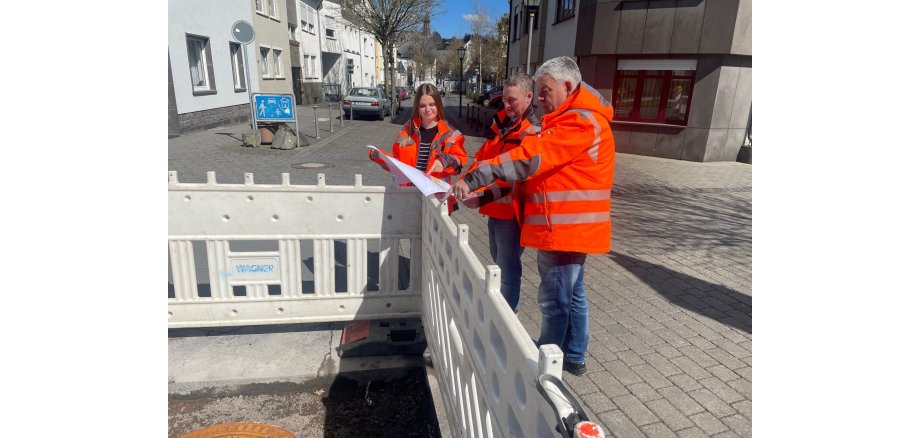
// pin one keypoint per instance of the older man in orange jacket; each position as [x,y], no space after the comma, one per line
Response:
[568,169]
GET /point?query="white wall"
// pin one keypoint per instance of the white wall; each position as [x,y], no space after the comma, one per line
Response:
[560,37]
[309,43]
[368,60]
[212,19]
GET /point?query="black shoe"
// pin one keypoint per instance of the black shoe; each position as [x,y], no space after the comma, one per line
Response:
[575,369]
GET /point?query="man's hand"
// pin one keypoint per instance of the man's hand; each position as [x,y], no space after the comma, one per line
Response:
[472,202]
[462,191]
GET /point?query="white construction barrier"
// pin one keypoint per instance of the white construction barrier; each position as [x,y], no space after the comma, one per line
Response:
[253,237]
[241,286]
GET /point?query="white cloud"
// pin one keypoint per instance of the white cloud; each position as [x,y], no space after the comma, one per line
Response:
[472,18]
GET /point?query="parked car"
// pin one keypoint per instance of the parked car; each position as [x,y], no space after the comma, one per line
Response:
[492,97]
[366,101]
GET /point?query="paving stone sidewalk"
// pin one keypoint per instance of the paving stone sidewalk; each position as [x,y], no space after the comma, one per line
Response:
[671,328]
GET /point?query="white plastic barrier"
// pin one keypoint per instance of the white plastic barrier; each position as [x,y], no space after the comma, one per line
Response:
[486,364]
[266,287]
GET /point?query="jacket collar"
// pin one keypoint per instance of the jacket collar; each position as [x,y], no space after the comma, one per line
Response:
[584,97]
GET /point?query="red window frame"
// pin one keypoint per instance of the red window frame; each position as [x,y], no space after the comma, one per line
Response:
[667,79]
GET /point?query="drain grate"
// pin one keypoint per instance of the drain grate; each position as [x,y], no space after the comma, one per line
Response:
[311,165]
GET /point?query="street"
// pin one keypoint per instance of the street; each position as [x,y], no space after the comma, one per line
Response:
[670,306]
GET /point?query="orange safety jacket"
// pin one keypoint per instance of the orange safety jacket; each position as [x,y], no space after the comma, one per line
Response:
[568,169]
[447,145]
[496,200]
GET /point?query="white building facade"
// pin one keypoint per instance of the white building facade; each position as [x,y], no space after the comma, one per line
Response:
[208,85]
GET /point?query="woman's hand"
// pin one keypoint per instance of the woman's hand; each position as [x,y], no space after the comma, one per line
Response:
[436,166]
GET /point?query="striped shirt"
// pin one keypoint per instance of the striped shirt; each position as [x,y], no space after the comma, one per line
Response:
[424,146]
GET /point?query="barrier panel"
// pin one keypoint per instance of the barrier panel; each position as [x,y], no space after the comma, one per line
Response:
[283,253]
[486,363]
[248,254]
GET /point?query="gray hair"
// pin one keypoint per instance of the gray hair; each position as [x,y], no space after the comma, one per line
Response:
[561,69]
[519,79]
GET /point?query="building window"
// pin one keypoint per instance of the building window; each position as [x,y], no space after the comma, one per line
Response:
[307,18]
[278,64]
[271,8]
[260,6]
[514,25]
[309,62]
[526,21]
[654,91]
[199,63]
[565,9]
[265,53]
[236,63]
[330,28]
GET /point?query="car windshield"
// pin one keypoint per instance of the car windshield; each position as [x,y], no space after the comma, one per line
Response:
[364,92]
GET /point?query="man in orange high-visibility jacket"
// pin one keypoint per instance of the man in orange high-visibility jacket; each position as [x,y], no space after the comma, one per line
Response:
[568,169]
[509,126]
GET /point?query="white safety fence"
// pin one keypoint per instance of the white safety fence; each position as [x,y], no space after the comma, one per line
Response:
[293,253]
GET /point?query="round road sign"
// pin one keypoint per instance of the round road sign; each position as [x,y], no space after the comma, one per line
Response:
[243,32]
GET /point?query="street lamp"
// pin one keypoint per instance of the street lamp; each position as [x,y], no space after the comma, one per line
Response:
[461,52]
[532,6]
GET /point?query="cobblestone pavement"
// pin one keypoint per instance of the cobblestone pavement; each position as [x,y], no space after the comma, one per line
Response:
[670,305]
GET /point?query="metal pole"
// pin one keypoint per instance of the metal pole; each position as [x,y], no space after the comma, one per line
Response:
[330,117]
[529,37]
[252,109]
[315,122]
[341,115]
[461,87]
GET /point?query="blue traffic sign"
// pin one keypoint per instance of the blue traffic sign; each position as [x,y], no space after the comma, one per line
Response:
[274,107]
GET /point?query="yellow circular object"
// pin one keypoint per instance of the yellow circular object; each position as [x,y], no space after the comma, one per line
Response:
[240,430]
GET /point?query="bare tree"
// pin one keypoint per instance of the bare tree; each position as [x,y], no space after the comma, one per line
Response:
[493,67]
[421,49]
[449,63]
[480,26]
[388,21]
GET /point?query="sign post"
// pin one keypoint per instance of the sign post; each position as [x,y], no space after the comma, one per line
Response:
[243,33]
[275,107]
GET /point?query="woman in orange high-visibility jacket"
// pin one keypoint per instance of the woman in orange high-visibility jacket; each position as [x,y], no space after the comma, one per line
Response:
[567,170]
[427,142]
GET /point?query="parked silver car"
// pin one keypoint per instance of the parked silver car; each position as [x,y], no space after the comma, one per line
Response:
[366,100]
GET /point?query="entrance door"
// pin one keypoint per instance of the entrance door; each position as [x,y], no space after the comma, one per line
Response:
[298,93]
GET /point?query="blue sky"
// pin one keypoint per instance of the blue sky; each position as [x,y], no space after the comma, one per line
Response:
[451,23]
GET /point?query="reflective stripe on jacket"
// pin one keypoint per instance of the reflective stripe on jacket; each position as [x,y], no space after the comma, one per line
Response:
[568,169]
[447,145]
[496,200]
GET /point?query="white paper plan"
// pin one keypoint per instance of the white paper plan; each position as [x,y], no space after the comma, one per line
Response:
[405,173]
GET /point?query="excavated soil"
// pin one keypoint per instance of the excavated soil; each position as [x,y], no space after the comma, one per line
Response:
[379,403]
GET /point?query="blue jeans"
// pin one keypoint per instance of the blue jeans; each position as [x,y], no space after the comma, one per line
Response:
[506,250]
[563,302]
